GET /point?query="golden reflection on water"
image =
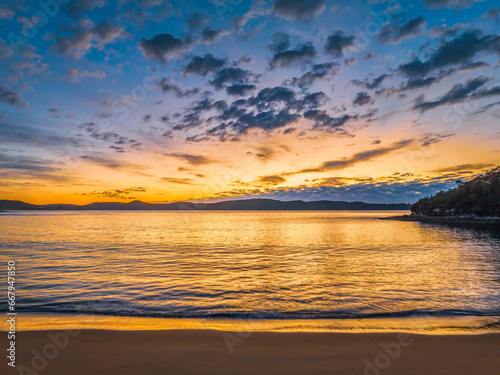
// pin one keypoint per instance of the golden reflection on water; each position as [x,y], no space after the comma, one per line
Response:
[258,264]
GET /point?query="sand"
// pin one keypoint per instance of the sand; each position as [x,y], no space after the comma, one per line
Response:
[114,352]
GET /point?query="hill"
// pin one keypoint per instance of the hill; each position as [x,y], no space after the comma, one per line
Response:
[479,196]
[236,205]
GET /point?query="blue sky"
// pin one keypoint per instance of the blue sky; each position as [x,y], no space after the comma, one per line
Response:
[381,101]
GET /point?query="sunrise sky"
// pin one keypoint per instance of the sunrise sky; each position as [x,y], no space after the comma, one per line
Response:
[377,101]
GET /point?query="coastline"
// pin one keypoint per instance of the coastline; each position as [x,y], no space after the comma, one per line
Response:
[445,219]
[419,324]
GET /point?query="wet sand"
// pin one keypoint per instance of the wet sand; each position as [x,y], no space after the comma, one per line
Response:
[193,351]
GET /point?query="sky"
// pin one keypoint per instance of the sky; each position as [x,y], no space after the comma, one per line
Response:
[376,101]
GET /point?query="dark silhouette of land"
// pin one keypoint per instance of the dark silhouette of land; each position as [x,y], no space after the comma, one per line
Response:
[477,197]
[233,205]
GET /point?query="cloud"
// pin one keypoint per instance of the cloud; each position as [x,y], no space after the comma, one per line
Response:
[96,36]
[362,98]
[458,93]
[494,14]
[280,42]
[196,20]
[457,4]
[209,36]
[395,33]
[338,43]
[162,47]
[298,9]
[239,90]
[168,85]
[231,75]
[323,120]
[458,50]
[272,94]
[271,180]
[12,98]
[264,153]
[357,158]
[293,57]
[486,93]
[193,159]
[176,180]
[6,13]
[119,193]
[203,65]
[76,8]
[75,75]
[318,72]
[464,167]
[106,136]
[375,83]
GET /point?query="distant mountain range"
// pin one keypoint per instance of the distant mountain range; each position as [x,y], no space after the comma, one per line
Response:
[233,205]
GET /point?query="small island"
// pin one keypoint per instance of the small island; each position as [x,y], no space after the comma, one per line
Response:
[474,201]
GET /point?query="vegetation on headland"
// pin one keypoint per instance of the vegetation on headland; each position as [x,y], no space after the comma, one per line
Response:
[477,197]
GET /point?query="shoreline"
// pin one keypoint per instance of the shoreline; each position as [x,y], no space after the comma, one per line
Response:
[445,219]
[419,324]
[108,352]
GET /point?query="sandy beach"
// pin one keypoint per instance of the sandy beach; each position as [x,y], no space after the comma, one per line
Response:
[107,352]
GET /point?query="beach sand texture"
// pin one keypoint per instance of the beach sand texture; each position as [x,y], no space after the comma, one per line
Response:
[113,352]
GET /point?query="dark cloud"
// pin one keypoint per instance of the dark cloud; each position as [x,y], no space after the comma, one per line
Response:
[273,94]
[313,100]
[445,31]
[338,42]
[25,163]
[298,9]
[486,93]
[494,14]
[374,83]
[267,120]
[280,42]
[464,167]
[264,153]
[107,136]
[176,180]
[230,75]
[12,98]
[362,98]
[119,193]
[97,36]
[77,8]
[317,72]
[457,4]
[323,120]
[168,85]
[419,82]
[193,159]
[196,20]
[434,138]
[162,47]
[239,90]
[293,57]
[271,180]
[355,159]
[202,65]
[391,33]
[458,50]
[458,93]
[209,36]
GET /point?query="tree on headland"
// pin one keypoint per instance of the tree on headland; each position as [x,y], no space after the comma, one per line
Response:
[479,196]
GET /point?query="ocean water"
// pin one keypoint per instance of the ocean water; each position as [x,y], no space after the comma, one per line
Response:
[258,265]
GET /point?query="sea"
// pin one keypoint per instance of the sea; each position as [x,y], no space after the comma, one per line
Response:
[276,269]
